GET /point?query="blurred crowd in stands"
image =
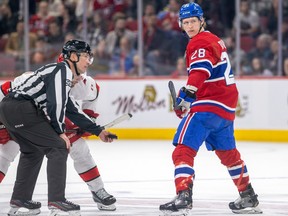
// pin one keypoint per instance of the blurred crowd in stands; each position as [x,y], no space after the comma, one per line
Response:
[112,31]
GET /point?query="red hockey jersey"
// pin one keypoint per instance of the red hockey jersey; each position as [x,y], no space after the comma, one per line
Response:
[209,70]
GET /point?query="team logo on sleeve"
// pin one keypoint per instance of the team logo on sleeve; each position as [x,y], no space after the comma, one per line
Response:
[69,83]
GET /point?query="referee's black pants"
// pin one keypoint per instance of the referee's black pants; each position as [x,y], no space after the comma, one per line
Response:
[36,137]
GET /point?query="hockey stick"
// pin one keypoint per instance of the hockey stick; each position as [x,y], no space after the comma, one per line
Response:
[117,120]
[173,94]
[110,124]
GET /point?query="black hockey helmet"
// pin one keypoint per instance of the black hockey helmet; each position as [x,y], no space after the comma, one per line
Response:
[76,46]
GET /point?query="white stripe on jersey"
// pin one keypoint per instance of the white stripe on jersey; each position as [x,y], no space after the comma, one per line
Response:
[214,102]
[214,80]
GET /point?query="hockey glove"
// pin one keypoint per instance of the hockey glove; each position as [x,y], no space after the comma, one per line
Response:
[73,132]
[4,135]
[183,102]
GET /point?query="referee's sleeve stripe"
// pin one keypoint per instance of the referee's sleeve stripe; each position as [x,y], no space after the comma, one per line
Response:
[58,97]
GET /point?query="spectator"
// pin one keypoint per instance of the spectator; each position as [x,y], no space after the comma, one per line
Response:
[249,20]
[134,71]
[67,20]
[39,22]
[54,8]
[79,9]
[285,67]
[55,34]
[8,20]
[285,34]
[55,40]
[181,69]
[100,64]
[121,61]
[149,10]
[156,47]
[131,9]
[262,49]
[273,62]
[174,48]
[105,6]
[97,29]
[170,13]
[113,37]
[119,6]
[231,50]
[38,58]
[69,36]
[272,22]
[257,68]
[15,43]
[15,7]
[226,13]
[109,7]
[213,18]
[41,54]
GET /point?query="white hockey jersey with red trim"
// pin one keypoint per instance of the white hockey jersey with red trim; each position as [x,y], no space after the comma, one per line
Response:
[209,70]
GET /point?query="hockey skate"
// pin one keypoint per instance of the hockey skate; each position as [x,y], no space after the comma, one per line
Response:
[247,203]
[24,207]
[63,208]
[104,200]
[180,205]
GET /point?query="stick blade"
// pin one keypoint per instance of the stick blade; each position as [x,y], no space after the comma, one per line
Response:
[118,120]
[172,92]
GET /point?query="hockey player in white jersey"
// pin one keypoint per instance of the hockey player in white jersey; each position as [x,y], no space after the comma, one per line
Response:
[86,92]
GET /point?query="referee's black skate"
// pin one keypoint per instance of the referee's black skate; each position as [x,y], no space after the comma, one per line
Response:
[181,205]
[247,203]
[59,207]
[104,200]
[24,207]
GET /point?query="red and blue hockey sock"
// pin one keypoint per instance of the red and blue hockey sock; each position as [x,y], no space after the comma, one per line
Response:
[183,159]
[236,167]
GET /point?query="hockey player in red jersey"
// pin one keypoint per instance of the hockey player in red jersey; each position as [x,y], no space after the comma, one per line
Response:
[206,106]
[86,91]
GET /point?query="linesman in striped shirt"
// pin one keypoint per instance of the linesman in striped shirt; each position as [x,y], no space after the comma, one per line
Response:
[34,114]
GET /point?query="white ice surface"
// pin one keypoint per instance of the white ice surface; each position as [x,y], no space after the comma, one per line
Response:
[140,175]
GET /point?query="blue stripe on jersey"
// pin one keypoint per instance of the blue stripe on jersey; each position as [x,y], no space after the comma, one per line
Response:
[202,65]
[235,172]
[218,71]
[184,170]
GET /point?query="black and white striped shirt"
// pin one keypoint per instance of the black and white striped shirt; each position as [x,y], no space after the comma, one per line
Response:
[49,88]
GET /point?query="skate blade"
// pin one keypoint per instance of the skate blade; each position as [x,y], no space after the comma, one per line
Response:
[23,212]
[102,207]
[181,212]
[58,212]
[249,210]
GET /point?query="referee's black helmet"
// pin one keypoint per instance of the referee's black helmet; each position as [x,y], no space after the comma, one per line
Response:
[77,46]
